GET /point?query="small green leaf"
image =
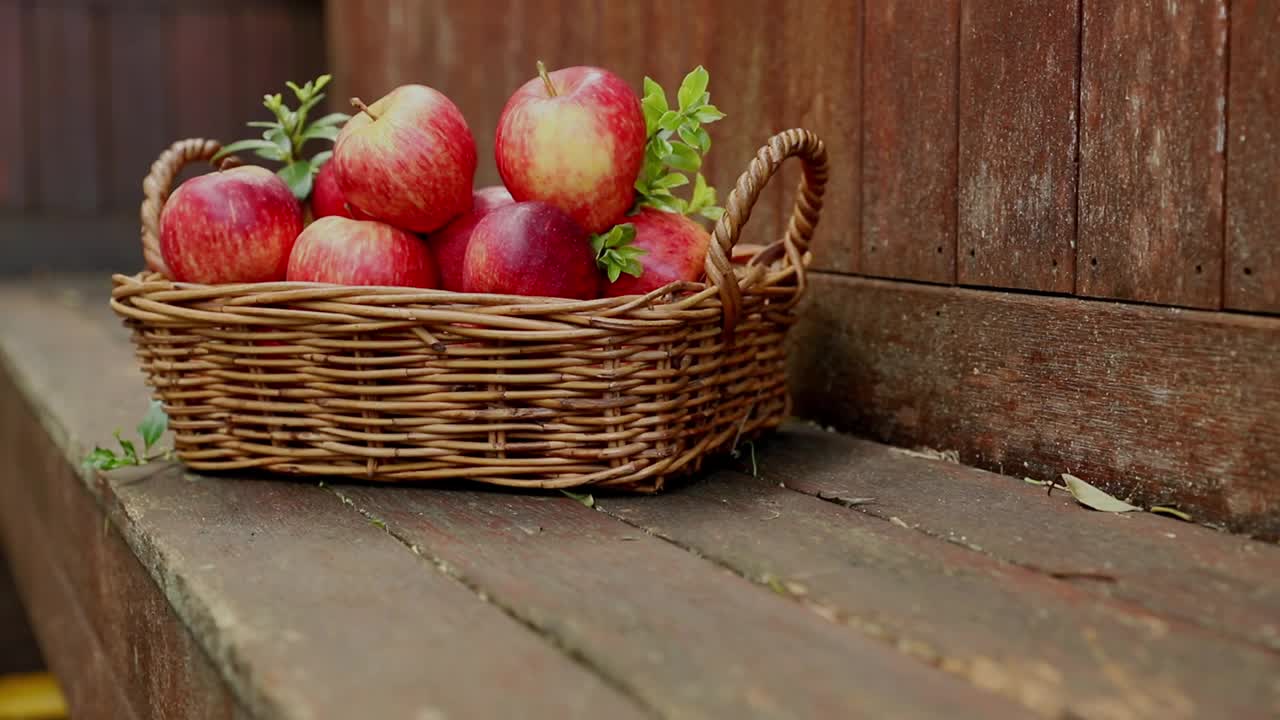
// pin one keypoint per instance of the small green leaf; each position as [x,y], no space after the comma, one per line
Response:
[670,120]
[319,159]
[322,81]
[296,90]
[236,147]
[683,157]
[153,425]
[101,459]
[298,177]
[130,452]
[691,90]
[711,213]
[671,180]
[708,114]
[262,124]
[1092,497]
[332,119]
[633,267]
[704,140]
[1172,512]
[663,147]
[324,132]
[585,499]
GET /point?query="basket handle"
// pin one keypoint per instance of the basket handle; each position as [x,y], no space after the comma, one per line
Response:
[788,143]
[159,183]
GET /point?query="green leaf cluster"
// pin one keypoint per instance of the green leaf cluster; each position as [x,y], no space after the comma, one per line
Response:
[677,141]
[152,427]
[615,253]
[284,138]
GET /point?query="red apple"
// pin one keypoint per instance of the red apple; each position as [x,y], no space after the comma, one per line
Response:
[450,243]
[531,248]
[230,226]
[675,249]
[574,138]
[361,252]
[408,159]
[327,198]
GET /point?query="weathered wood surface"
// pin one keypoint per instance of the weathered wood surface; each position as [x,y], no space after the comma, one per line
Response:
[909,157]
[1019,64]
[1152,140]
[1253,148]
[13,131]
[67,115]
[1224,582]
[305,608]
[692,641]
[1057,647]
[21,653]
[1166,406]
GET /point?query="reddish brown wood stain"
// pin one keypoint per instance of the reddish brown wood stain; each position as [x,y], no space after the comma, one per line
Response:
[13,138]
[1018,92]
[909,140]
[69,119]
[138,47]
[1152,140]
[1253,161]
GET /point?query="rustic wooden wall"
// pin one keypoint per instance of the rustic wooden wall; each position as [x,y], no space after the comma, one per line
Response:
[1119,150]
[98,88]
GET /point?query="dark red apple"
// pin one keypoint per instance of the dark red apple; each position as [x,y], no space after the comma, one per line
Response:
[450,243]
[574,138]
[343,251]
[327,198]
[531,248]
[408,159]
[230,226]
[675,249]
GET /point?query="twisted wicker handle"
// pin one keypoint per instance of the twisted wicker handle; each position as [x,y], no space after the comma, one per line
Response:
[158,184]
[788,143]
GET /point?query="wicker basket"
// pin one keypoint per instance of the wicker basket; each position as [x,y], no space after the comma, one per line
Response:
[397,384]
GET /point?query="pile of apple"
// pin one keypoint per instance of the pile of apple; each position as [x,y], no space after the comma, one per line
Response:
[586,208]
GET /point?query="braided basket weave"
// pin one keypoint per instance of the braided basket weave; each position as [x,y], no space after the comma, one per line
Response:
[399,384]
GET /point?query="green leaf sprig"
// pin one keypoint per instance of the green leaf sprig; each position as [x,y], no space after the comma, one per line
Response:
[615,254]
[677,141]
[284,139]
[152,427]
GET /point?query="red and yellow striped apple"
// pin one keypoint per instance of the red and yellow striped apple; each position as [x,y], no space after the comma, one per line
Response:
[361,252]
[531,248]
[573,138]
[450,243]
[408,159]
[231,226]
[327,198]
[675,249]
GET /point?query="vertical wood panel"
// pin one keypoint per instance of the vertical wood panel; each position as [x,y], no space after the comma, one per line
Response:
[1152,141]
[822,91]
[13,136]
[1253,160]
[909,139]
[69,162]
[200,76]
[1018,95]
[137,42]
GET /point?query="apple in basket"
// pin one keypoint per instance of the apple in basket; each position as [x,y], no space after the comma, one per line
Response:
[361,252]
[531,248]
[675,248]
[327,198]
[449,244]
[408,159]
[574,138]
[230,226]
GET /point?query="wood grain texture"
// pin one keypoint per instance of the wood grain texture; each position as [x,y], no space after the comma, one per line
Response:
[696,643]
[14,76]
[1151,151]
[66,109]
[21,654]
[1021,633]
[1195,575]
[1165,406]
[200,76]
[283,639]
[823,93]
[1018,92]
[1253,174]
[909,140]
[139,127]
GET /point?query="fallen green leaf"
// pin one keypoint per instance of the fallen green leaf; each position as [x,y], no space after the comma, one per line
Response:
[1173,512]
[584,498]
[1092,497]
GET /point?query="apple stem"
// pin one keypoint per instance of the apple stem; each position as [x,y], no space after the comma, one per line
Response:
[546,79]
[358,103]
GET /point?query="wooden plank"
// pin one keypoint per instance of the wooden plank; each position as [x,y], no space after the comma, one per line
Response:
[1166,406]
[145,663]
[1253,176]
[14,74]
[1020,633]
[822,91]
[200,76]
[699,643]
[1151,151]
[909,140]
[21,653]
[1019,61]
[1177,570]
[43,243]
[138,47]
[69,154]
[282,639]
